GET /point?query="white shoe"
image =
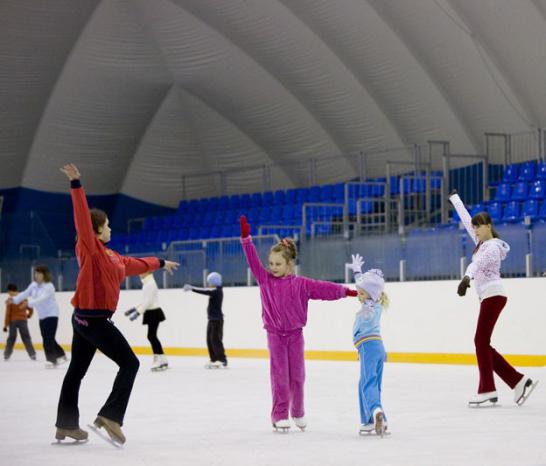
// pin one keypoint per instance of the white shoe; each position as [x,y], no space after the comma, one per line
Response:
[50,365]
[366,428]
[380,423]
[163,364]
[214,365]
[483,399]
[61,360]
[156,363]
[523,389]
[300,422]
[281,425]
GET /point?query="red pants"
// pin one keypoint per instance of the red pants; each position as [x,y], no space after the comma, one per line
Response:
[488,359]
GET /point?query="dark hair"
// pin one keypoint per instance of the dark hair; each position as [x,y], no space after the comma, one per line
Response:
[483,218]
[11,287]
[98,219]
[44,270]
[287,247]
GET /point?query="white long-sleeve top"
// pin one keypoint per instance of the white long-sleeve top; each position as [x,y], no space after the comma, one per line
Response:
[41,297]
[486,261]
[150,299]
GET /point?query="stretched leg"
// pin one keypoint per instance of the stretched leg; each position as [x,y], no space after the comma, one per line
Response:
[296,360]
[217,334]
[59,351]
[82,354]
[25,336]
[10,342]
[210,346]
[152,337]
[279,373]
[370,353]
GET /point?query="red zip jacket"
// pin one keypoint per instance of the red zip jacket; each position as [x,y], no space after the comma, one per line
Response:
[101,270]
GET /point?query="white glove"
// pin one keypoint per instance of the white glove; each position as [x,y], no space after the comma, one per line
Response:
[187,287]
[357,263]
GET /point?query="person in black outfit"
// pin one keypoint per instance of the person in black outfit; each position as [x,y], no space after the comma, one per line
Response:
[215,327]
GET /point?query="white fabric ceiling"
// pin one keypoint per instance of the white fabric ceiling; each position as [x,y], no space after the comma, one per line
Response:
[139,93]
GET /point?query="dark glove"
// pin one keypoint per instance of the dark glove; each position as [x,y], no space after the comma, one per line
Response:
[245,227]
[349,292]
[5,329]
[463,286]
[132,313]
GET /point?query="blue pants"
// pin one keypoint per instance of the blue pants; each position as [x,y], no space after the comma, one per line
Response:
[372,356]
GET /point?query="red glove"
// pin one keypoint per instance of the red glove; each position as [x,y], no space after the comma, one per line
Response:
[245,227]
[349,292]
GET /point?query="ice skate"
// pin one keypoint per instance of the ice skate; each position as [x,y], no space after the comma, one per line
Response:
[160,363]
[483,400]
[523,389]
[112,428]
[214,365]
[300,422]
[50,365]
[78,435]
[380,422]
[282,425]
[367,429]
[61,360]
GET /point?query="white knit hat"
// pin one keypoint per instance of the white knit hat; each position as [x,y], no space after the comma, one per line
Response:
[214,279]
[372,282]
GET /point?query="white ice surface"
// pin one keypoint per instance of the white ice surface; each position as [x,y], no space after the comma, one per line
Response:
[192,416]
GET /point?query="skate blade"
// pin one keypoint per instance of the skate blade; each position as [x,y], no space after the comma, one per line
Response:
[484,404]
[104,436]
[281,430]
[526,395]
[158,369]
[373,433]
[69,443]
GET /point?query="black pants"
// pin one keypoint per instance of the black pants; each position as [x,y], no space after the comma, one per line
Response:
[91,334]
[52,349]
[215,333]
[152,337]
[22,326]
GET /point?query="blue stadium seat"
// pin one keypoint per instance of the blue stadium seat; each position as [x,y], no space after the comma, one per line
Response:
[538,190]
[495,211]
[183,206]
[504,192]
[378,190]
[510,174]
[542,211]
[436,179]
[339,192]
[267,198]
[327,193]
[395,186]
[541,171]
[511,212]
[314,194]
[246,201]
[476,209]
[419,185]
[256,200]
[279,197]
[530,208]
[234,201]
[302,195]
[291,196]
[520,191]
[527,171]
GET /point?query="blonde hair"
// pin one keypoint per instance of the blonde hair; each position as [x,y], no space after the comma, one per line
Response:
[287,247]
[384,300]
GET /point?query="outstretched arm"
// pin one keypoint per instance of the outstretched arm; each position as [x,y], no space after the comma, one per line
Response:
[327,291]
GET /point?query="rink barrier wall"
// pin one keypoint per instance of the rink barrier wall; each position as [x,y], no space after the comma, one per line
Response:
[426,323]
[414,358]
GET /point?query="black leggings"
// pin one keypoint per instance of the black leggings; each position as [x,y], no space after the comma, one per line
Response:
[215,334]
[91,334]
[152,337]
[52,349]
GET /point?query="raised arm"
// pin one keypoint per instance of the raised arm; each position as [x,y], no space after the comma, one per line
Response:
[140,265]
[258,270]
[463,215]
[82,218]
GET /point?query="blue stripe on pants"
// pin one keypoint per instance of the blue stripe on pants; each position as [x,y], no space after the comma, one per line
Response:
[372,356]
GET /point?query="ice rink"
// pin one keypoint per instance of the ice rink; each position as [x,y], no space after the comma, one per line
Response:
[192,416]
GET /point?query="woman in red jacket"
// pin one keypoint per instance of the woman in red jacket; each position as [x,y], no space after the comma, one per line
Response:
[95,300]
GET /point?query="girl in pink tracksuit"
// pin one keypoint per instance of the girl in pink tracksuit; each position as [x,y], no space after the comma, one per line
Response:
[488,254]
[284,312]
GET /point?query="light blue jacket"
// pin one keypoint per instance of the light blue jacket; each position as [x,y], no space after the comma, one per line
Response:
[41,298]
[367,323]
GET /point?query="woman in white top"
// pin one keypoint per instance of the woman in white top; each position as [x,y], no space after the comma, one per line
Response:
[153,316]
[488,254]
[41,297]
